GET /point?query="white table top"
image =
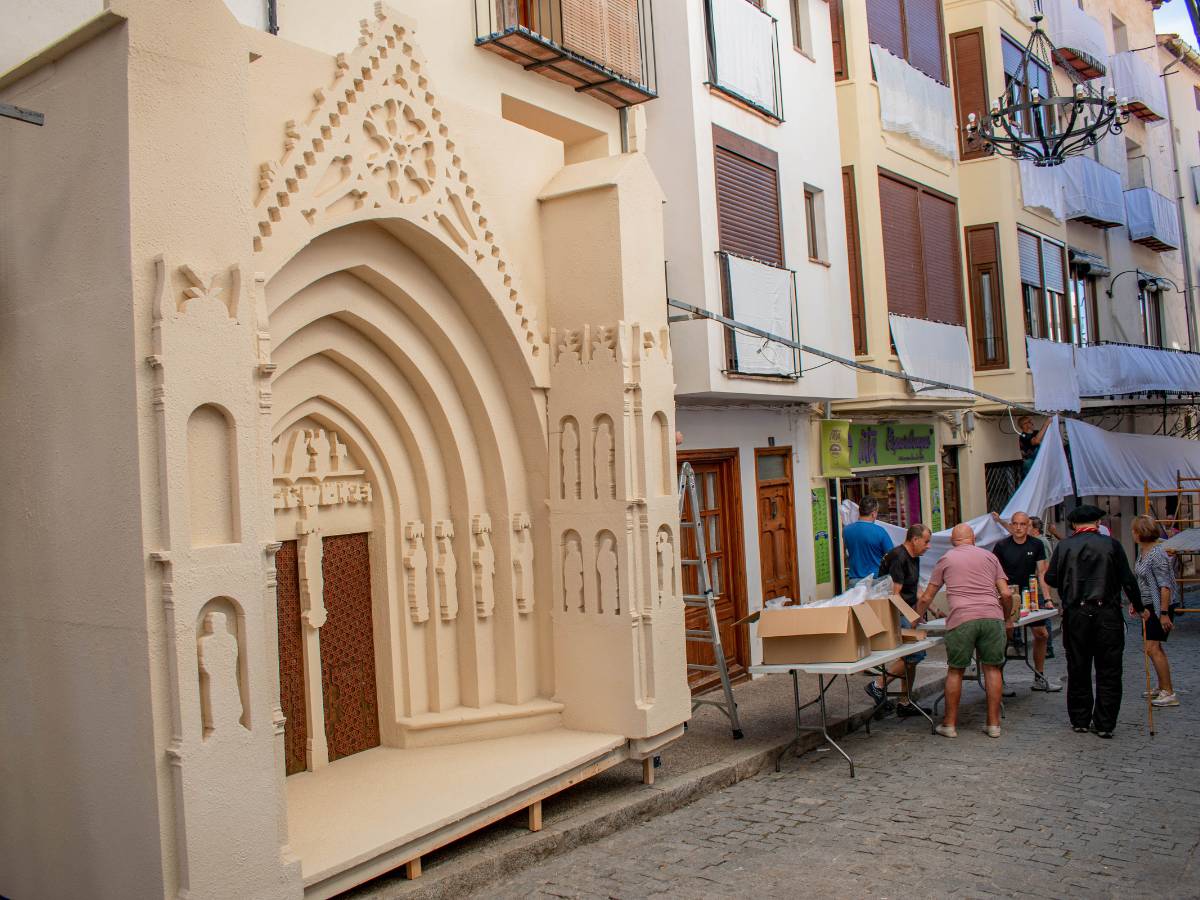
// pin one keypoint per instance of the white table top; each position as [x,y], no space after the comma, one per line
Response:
[939,625]
[878,658]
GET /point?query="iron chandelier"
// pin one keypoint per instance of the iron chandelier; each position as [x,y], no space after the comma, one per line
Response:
[1046,128]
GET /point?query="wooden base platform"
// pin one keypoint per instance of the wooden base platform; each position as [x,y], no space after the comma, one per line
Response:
[372,812]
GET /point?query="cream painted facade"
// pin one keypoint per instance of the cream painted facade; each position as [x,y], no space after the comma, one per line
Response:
[293,324]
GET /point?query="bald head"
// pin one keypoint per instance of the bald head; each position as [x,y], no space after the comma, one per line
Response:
[962,534]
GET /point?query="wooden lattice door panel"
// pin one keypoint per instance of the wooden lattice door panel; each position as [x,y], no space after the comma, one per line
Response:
[291,659]
[604,31]
[348,647]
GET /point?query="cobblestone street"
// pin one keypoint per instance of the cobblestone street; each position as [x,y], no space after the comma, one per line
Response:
[1041,812]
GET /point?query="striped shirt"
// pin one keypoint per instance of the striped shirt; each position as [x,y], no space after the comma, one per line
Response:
[1154,572]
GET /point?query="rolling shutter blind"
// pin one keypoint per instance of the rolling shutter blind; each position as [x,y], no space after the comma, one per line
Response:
[858,318]
[902,259]
[981,245]
[837,30]
[748,206]
[885,25]
[923,27]
[1052,262]
[943,267]
[1031,269]
[970,85]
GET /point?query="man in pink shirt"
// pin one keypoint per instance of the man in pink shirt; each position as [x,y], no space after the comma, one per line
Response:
[980,601]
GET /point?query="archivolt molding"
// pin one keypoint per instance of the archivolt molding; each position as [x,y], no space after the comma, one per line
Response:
[376,146]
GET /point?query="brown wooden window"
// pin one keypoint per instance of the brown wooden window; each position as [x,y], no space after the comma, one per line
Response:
[1043,287]
[987,296]
[912,30]
[748,216]
[801,26]
[921,254]
[837,31]
[970,85]
[858,315]
[1020,80]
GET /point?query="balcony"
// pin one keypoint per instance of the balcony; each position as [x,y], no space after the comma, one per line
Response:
[743,55]
[1078,38]
[763,296]
[1139,84]
[1092,193]
[600,47]
[1153,219]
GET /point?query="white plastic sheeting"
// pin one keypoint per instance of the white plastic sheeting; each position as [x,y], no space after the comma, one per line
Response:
[1055,387]
[1091,191]
[761,295]
[1151,215]
[745,51]
[936,351]
[1112,369]
[1042,188]
[1109,463]
[1048,481]
[1071,28]
[1137,81]
[912,103]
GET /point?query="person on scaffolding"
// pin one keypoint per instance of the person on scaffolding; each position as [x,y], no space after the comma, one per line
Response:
[1030,441]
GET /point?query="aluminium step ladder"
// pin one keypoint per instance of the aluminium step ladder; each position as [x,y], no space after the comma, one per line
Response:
[704,599]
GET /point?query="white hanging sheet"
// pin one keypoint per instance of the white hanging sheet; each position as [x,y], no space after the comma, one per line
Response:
[745,51]
[1048,481]
[1136,80]
[1042,188]
[1070,27]
[912,103]
[1091,190]
[1151,215]
[1109,463]
[1111,369]
[1052,364]
[933,350]
[761,296]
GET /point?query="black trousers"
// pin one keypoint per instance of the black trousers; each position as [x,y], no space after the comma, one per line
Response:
[1094,638]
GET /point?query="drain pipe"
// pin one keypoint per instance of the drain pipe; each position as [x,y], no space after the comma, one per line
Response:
[1188,277]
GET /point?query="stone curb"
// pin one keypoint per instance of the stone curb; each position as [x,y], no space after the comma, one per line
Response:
[456,878]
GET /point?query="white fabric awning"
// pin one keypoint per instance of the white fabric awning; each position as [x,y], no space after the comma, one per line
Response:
[745,51]
[912,103]
[936,351]
[1042,188]
[1112,369]
[761,295]
[1092,191]
[1109,463]
[1052,364]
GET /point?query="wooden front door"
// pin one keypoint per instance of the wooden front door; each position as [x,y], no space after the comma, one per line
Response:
[776,523]
[720,505]
[348,648]
[291,659]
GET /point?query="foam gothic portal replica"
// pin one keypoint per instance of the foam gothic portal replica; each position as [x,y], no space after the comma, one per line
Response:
[401,512]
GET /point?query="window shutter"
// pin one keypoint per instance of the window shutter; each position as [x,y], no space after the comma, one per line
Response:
[1031,269]
[902,262]
[1052,262]
[837,30]
[982,246]
[885,25]
[858,317]
[970,85]
[923,28]
[943,265]
[747,202]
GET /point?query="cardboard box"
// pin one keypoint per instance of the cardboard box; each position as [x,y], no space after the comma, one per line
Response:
[803,634]
[889,610]
[912,635]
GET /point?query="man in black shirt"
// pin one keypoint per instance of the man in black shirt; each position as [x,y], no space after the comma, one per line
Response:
[1091,571]
[903,564]
[1023,557]
[1030,441]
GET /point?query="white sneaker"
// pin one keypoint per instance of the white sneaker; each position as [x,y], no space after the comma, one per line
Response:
[1165,699]
[1150,695]
[992,731]
[1042,683]
[947,731]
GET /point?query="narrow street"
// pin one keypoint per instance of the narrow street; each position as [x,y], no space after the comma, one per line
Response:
[1041,812]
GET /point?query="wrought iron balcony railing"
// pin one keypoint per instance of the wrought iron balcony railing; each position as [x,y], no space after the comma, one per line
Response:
[600,47]
[743,54]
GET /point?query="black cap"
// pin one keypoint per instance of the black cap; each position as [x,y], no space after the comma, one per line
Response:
[1085,515]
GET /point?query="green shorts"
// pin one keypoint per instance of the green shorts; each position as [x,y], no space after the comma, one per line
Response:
[984,635]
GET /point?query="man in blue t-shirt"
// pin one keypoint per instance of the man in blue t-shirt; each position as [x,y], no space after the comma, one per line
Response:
[866,542]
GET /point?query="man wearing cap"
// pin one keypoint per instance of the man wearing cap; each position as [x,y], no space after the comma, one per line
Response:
[1090,571]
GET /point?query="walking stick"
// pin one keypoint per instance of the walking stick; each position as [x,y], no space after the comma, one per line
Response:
[1149,696]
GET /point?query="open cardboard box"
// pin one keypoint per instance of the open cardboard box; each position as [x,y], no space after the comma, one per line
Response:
[804,634]
[889,610]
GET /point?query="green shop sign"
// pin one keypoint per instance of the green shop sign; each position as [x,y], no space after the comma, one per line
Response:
[892,445]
